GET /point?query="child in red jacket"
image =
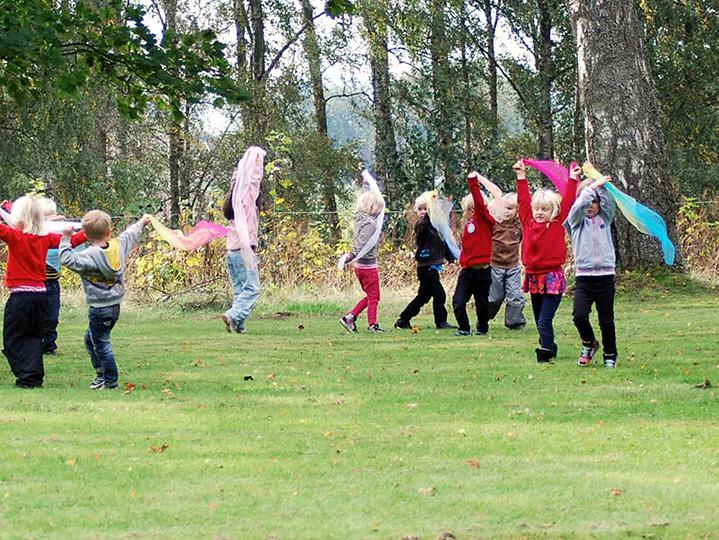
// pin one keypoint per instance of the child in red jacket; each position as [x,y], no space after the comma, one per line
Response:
[475,277]
[544,252]
[26,309]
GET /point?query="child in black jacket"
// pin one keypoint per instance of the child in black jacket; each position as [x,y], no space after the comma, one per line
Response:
[431,253]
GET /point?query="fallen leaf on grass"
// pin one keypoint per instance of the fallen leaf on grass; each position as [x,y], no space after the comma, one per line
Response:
[415,329]
[248,378]
[282,314]
[129,387]
[167,392]
[71,462]
[212,505]
[301,327]
[411,406]
[159,449]
[411,537]
[428,491]
[616,492]
[705,384]
[446,536]
[132,493]
[474,463]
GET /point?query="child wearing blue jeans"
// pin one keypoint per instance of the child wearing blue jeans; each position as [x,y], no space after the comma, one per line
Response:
[101,267]
[590,224]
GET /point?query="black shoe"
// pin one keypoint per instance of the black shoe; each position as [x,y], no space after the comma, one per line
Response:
[446,326]
[463,333]
[544,356]
[610,361]
[97,383]
[402,325]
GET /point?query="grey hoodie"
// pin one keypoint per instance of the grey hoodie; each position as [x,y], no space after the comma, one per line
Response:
[592,237]
[365,226]
[102,268]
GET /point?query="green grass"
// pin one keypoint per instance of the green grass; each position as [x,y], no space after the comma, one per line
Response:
[362,436]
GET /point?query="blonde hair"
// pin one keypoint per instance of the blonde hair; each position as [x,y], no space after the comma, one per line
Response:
[467,204]
[48,206]
[509,198]
[547,197]
[370,202]
[26,211]
[423,200]
[96,224]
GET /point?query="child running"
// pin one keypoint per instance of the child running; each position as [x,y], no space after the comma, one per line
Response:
[589,223]
[432,250]
[544,252]
[101,267]
[475,277]
[368,225]
[26,309]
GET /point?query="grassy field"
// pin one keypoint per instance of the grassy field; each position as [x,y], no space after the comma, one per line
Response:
[300,430]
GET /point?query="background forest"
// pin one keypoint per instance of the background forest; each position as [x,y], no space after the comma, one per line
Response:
[147,107]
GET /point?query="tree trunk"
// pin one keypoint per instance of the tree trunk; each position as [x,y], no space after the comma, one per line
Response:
[491,18]
[386,156]
[312,51]
[439,53]
[241,25]
[175,129]
[545,131]
[466,93]
[623,131]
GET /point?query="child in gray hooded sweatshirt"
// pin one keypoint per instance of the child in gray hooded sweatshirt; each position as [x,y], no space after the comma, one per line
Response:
[101,267]
[590,224]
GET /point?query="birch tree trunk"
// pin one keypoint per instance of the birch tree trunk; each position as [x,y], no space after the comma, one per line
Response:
[387,158]
[312,52]
[623,132]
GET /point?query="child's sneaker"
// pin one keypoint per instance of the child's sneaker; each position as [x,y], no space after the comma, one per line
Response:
[610,361]
[375,328]
[446,326]
[348,321]
[588,352]
[399,324]
[544,356]
[463,333]
[97,383]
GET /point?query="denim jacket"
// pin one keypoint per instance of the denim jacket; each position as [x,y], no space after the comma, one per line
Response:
[592,237]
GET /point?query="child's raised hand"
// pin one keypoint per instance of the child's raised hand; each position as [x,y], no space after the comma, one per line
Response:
[474,174]
[603,180]
[520,169]
[145,219]
[575,171]
[67,231]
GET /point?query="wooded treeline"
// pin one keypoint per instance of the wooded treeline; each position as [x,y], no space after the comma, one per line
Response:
[110,107]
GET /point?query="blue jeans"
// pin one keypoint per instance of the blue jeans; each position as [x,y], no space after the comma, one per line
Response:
[98,343]
[49,338]
[545,307]
[246,284]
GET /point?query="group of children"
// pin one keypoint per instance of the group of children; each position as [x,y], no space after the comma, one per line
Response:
[494,229]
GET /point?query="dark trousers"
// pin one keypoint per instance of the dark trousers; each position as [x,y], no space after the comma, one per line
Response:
[22,337]
[597,290]
[98,343]
[472,282]
[49,338]
[430,288]
[544,307]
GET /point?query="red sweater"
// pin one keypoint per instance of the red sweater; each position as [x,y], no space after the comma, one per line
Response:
[477,234]
[543,246]
[27,254]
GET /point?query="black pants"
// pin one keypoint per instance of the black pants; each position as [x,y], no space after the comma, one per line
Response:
[473,282]
[600,291]
[23,328]
[430,288]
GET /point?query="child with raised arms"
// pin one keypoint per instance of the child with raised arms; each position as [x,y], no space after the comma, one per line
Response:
[432,251]
[544,252]
[363,257]
[590,224]
[475,277]
[26,309]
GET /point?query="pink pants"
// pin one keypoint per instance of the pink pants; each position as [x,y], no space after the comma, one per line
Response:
[369,281]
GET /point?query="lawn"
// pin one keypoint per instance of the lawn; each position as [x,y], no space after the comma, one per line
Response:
[301,430]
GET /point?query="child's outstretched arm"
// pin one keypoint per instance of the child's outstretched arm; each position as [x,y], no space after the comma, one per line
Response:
[607,204]
[77,261]
[131,236]
[524,199]
[480,207]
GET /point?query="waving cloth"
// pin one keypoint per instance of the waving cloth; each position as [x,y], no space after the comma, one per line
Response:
[48,225]
[245,189]
[440,212]
[200,235]
[368,183]
[557,173]
[645,220]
